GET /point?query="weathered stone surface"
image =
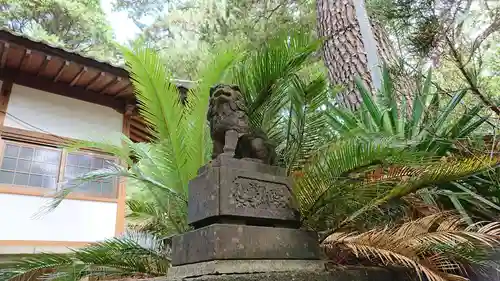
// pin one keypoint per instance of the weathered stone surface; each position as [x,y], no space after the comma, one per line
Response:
[233,188]
[248,164]
[230,128]
[243,266]
[231,242]
[350,273]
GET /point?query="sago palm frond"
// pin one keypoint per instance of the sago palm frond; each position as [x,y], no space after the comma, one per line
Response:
[117,257]
[431,125]
[32,267]
[264,74]
[429,175]
[126,254]
[198,141]
[181,142]
[179,129]
[368,174]
[112,171]
[417,204]
[434,128]
[147,174]
[306,125]
[340,171]
[438,247]
[147,216]
[261,71]
[122,152]
[161,108]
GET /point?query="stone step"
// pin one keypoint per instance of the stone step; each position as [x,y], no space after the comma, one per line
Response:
[232,242]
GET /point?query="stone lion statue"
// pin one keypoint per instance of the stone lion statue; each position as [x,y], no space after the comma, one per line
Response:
[230,130]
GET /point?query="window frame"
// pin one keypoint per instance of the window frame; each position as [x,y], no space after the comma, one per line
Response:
[34,146]
[30,141]
[62,169]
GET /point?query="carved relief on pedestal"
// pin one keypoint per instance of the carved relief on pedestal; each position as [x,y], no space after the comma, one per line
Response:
[258,194]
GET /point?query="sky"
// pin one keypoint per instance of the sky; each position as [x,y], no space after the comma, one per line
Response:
[123,27]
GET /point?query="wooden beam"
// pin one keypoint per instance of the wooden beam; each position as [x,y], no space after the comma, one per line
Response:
[119,92]
[44,64]
[60,88]
[126,124]
[110,84]
[61,70]
[27,54]
[139,126]
[95,79]
[33,137]
[41,243]
[4,99]
[139,136]
[45,139]
[121,207]
[78,76]
[121,195]
[5,51]
[130,108]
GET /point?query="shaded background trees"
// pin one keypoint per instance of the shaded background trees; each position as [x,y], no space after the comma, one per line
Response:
[78,25]
[408,35]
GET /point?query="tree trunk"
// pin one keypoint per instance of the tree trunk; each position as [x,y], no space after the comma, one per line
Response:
[346,32]
[343,51]
[402,80]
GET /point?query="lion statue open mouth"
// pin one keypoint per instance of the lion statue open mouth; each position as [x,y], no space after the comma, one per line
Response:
[230,129]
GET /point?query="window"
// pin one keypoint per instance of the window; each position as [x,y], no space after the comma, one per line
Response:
[30,166]
[79,163]
[43,167]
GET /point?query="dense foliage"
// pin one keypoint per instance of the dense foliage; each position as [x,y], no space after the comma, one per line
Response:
[398,182]
[78,25]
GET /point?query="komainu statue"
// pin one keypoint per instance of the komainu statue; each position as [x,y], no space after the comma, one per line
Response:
[230,129]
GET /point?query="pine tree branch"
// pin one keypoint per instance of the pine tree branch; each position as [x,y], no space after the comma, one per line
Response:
[494,26]
[473,86]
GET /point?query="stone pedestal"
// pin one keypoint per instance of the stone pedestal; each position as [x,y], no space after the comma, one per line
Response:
[305,273]
[242,211]
[232,241]
[244,191]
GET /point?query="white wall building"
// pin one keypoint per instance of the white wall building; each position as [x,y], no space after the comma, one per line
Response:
[48,97]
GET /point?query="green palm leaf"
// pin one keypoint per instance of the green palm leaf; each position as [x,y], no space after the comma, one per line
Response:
[33,266]
[136,255]
[160,106]
[339,171]
[147,216]
[264,74]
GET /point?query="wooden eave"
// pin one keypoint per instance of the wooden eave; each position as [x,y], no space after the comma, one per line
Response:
[44,67]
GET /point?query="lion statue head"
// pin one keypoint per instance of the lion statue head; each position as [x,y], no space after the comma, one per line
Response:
[226,110]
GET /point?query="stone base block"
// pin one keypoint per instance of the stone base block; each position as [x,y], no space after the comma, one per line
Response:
[350,273]
[242,266]
[245,242]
